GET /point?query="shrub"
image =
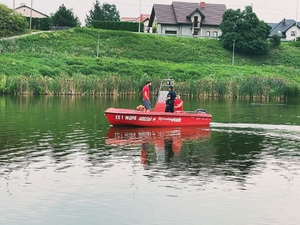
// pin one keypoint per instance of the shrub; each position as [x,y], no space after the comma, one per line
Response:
[116,25]
[40,23]
[11,22]
[275,41]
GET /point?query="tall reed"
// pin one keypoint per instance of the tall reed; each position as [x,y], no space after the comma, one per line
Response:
[79,84]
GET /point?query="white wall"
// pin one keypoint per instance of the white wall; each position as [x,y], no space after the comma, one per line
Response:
[180,30]
[187,30]
[146,28]
[24,11]
[164,28]
[288,33]
[211,30]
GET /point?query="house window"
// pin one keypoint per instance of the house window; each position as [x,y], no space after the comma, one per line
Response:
[215,34]
[293,33]
[207,33]
[170,32]
[195,21]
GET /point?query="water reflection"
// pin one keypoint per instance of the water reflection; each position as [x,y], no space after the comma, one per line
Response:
[58,156]
[164,142]
[229,152]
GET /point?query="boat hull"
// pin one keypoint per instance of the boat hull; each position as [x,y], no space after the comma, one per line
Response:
[129,117]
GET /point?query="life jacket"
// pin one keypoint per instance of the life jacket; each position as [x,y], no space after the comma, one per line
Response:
[140,108]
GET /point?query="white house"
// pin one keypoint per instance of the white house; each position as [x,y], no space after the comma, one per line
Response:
[26,11]
[287,29]
[185,18]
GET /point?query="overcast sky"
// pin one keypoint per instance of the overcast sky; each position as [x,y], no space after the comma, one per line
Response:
[267,10]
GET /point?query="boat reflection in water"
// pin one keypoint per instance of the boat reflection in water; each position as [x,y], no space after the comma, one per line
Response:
[165,141]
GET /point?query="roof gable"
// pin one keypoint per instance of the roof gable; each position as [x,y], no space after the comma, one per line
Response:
[25,6]
[194,11]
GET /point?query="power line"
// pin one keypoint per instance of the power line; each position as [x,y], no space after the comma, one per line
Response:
[279,10]
[92,2]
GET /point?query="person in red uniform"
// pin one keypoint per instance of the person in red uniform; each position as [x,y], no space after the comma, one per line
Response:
[146,96]
[178,104]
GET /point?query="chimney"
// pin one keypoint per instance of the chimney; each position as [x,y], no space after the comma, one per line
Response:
[202,4]
[284,22]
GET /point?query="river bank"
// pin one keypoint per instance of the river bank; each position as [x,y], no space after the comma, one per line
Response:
[66,62]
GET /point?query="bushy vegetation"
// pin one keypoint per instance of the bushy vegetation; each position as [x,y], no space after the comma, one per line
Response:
[65,62]
[275,40]
[104,12]
[65,17]
[40,23]
[120,25]
[11,22]
[245,30]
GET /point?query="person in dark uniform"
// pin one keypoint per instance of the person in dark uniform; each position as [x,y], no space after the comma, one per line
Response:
[170,100]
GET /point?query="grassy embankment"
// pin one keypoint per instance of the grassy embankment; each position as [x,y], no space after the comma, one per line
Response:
[64,62]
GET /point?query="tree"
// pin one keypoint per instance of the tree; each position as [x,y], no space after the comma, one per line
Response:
[250,33]
[105,12]
[95,14]
[110,12]
[65,17]
[11,22]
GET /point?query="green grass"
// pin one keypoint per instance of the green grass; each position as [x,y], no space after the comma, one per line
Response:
[132,58]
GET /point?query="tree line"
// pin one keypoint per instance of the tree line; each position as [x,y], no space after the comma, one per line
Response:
[241,30]
[12,23]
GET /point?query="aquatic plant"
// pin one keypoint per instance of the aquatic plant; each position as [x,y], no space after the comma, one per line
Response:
[79,84]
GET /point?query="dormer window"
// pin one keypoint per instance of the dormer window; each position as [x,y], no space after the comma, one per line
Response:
[196,21]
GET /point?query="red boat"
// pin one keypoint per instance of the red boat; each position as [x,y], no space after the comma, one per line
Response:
[158,117]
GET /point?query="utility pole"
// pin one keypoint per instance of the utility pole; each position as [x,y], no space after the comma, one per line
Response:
[30,21]
[233,46]
[98,44]
[14,4]
[140,17]
[296,29]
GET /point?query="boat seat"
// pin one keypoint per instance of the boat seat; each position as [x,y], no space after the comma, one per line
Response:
[200,111]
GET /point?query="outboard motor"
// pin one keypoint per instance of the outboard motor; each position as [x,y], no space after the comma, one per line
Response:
[200,111]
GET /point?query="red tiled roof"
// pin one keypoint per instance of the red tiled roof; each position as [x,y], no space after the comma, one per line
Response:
[143,17]
[128,19]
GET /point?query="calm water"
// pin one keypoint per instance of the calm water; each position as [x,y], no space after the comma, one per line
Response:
[61,163]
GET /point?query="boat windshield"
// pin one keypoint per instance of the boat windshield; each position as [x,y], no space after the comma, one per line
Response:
[163,89]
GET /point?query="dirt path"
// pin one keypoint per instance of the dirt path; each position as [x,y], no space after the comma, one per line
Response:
[24,35]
